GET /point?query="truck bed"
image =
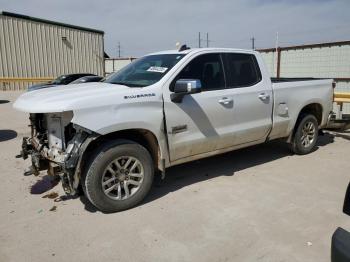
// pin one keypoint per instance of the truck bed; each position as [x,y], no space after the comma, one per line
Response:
[292,94]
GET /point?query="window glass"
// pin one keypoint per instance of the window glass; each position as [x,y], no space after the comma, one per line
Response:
[208,69]
[59,80]
[69,79]
[241,70]
[145,71]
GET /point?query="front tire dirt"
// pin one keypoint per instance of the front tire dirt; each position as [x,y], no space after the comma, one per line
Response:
[305,136]
[119,176]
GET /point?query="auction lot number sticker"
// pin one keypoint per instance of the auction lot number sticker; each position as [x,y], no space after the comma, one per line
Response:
[157,69]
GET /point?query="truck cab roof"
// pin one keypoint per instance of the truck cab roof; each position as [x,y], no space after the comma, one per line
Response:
[199,50]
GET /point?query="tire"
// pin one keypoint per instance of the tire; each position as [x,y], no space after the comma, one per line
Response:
[305,135]
[109,170]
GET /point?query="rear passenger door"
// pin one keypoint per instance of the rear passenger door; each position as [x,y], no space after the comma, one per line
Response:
[252,98]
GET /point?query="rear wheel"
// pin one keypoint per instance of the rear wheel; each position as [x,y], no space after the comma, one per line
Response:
[119,177]
[306,134]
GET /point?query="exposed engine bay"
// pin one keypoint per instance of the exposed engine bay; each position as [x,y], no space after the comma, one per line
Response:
[55,145]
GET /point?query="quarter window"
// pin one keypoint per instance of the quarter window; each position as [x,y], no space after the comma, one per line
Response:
[241,70]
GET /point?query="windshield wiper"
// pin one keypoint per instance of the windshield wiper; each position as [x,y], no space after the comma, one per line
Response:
[119,83]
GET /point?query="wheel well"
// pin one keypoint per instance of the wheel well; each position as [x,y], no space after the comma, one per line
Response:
[314,109]
[141,136]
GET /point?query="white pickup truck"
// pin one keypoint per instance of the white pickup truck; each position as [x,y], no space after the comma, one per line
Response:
[164,109]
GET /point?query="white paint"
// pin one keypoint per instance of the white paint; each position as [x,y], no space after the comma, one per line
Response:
[212,127]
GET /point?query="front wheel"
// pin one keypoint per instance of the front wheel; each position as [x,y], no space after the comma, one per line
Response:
[119,176]
[305,136]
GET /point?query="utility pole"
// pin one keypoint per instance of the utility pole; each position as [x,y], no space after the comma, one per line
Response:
[277,40]
[119,49]
[199,39]
[278,61]
[207,39]
[275,59]
[253,42]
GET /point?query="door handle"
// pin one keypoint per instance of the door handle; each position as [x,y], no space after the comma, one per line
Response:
[225,100]
[263,96]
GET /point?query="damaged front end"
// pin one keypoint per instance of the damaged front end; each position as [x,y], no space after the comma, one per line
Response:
[57,145]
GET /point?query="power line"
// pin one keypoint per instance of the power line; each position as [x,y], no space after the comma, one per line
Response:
[200,40]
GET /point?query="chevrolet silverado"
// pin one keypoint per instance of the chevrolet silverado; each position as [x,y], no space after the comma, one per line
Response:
[164,109]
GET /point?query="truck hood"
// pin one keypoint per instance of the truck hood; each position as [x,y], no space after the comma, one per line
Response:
[70,97]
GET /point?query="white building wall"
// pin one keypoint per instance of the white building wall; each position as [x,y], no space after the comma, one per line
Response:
[270,61]
[332,61]
[115,64]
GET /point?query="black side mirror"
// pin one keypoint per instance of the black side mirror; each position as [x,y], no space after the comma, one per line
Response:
[185,87]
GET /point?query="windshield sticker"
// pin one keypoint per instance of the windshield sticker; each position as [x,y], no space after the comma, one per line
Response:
[157,69]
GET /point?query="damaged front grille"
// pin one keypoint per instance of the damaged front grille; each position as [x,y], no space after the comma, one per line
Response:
[54,146]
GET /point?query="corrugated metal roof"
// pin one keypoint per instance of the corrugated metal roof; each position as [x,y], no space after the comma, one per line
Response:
[40,20]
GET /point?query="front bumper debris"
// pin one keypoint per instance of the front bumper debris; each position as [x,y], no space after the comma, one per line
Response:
[38,163]
[65,164]
[26,148]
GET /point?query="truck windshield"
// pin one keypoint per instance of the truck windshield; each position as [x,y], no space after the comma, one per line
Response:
[144,71]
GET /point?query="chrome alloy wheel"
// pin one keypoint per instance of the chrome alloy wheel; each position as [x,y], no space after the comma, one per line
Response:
[122,178]
[308,134]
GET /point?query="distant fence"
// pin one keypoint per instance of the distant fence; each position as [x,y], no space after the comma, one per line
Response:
[20,83]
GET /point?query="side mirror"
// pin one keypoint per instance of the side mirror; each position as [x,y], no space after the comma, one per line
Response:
[185,87]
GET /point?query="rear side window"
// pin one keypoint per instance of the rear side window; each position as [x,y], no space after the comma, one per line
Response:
[241,70]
